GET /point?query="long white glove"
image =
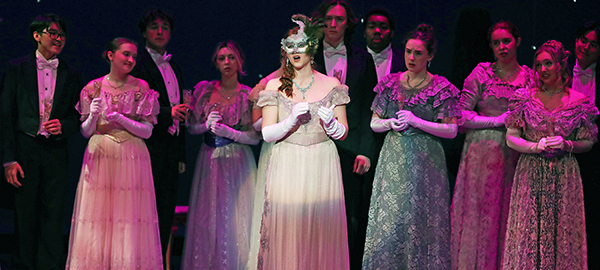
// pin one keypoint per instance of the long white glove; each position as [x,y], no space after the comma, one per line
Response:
[245,137]
[558,142]
[88,127]
[382,125]
[332,127]
[277,131]
[200,128]
[140,129]
[437,129]
[514,141]
[257,125]
[486,122]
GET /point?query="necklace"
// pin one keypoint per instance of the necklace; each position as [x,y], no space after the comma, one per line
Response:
[560,89]
[419,84]
[504,75]
[116,86]
[228,97]
[303,90]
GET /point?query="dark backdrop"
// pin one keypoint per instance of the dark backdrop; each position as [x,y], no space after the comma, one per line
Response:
[257,26]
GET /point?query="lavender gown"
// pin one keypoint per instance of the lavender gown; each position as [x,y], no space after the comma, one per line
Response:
[221,199]
[482,192]
[546,222]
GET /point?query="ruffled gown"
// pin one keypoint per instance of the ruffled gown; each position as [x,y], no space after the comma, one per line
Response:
[304,218]
[221,199]
[409,216]
[546,222]
[115,225]
[482,192]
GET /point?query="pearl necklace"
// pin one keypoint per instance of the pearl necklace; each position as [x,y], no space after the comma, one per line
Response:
[303,90]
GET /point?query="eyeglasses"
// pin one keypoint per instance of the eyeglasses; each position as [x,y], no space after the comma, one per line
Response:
[593,44]
[55,35]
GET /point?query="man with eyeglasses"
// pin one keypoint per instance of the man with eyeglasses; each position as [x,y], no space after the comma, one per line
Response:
[39,94]
[586,81]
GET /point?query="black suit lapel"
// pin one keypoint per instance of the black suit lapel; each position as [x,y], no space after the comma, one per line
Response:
[61,78]
[155,75]
[31,83]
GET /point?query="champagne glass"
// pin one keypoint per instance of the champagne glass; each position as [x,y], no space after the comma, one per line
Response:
[187,100]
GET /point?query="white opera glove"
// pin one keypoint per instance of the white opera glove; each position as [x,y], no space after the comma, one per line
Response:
[442,130]
[88,127]
[514,141]
[382,125]
[257,125]
[201,128]
[277,131]
[485,121]
[140,129]
[245,137]
[558,142]
[332,127]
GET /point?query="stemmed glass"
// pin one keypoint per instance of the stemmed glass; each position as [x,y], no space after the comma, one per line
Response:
[187,100]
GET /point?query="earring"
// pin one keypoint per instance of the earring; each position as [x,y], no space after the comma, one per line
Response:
[287,61]
[428,64]
[312,60]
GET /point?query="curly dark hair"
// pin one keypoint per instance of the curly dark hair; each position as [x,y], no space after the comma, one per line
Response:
[150,15]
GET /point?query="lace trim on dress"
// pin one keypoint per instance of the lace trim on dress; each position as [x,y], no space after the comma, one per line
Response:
[562,121]
[238,112]
[338,96]
[496,87]
[134,104]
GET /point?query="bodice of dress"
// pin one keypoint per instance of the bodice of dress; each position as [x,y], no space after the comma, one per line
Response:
[437,100]
[485,94]
[237,115]
[309,131]
[136,104]
[572,121]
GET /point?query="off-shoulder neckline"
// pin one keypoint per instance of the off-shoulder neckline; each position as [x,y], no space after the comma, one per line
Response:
[313,102]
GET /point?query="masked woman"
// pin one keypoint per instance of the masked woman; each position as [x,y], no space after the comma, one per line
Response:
[304,220]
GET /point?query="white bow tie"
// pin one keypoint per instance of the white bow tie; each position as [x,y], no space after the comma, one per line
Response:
[329,52]
[163,59]
[381,57]
[585,72]
[43,63]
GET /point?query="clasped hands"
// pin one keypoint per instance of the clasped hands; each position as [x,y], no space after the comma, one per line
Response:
[221,130]
[552,143]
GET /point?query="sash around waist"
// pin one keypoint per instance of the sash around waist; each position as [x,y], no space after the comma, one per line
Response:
[306,138]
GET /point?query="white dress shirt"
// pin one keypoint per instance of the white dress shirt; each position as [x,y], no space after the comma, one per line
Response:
[336,65]
[168,75]
[585,84]
[383,61]
[46,77]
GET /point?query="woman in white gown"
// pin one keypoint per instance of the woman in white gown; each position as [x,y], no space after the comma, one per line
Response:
[304,220]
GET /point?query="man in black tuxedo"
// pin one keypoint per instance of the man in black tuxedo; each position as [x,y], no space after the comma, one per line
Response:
[380,26]
[38,114]
[354,67]
[167,143]
[586,81]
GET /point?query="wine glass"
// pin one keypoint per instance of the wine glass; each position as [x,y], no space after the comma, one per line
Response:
[187,100]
